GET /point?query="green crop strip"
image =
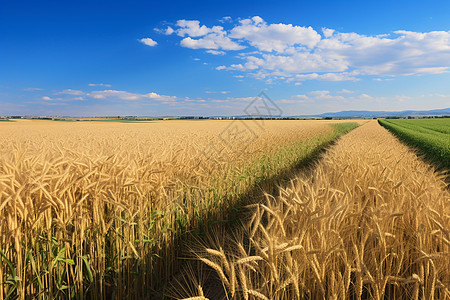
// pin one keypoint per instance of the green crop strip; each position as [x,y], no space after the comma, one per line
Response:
[430,136]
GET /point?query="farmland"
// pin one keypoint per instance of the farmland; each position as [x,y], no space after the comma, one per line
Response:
[220,210]
[102,209]
[370,221]
[430,136]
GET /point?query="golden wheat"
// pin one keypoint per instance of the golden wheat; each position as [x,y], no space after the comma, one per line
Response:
[371,220]
[89,209]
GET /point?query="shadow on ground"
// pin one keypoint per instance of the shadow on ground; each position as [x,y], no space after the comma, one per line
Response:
[214,225]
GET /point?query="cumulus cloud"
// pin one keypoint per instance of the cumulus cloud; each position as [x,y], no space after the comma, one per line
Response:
[192,28]
[215,41]
[196,36]
[327,32]
[157,97]
[274,37]
[148,42]
[46,98]
[296,53]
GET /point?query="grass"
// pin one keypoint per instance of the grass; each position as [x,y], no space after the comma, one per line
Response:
[371,221]
[430,136]
[101,210]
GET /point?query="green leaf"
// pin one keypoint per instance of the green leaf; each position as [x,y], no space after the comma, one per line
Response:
[33,267]
[10,265]
[88,268]
[61,255]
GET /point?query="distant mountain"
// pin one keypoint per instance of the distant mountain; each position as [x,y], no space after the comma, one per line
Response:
[380,114]
[354,114]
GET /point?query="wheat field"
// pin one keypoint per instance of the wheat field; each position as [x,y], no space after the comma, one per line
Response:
[369,221]
[99,210]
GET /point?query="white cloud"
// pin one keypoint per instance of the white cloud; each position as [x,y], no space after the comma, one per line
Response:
[215,52]
[220,92]
[213,41]
[192,28]
[226,19]
[124,95]
[148,42]
[169,30]
[319,93]
[114,95]
[302,62]
[70,92]
[345,91]
[324,95]
[99,84]
[295,53]
[274,37]
[383,79]
[214,38]
[410,53]
[244,99]
[157,97]
[32,89]
[365,96]
[327,32]
[344,76]
[293,101]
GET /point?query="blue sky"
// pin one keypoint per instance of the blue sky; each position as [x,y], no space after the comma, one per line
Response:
[148,58]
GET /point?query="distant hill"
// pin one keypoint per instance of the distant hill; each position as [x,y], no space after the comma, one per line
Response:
[380,114]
